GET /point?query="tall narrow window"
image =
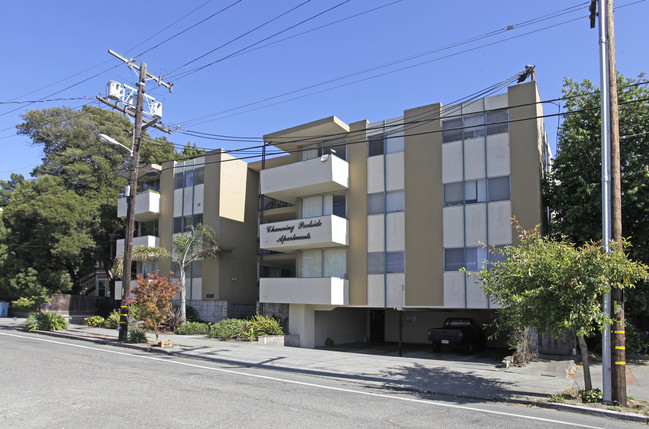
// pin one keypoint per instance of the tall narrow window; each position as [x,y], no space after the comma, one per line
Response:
[375,145]
[199,177]
[452,130]
[339,205]
[178,180]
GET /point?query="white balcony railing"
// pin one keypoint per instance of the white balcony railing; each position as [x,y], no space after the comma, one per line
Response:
[146,240]
[147,206]
[316,176]
[310,233]
[318,291]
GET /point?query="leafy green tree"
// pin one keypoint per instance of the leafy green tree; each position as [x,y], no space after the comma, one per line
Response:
[191,151]
[198,244]
[554,286]
[573,190]
[63,220]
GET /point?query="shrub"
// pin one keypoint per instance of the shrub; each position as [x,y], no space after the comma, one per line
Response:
[173,320]
[591,396]
[153,297]
[136,336]
[94,321]
[636,341]
[227,329]
[113,319]
[193,328]
[192,315]
[264,325]
[30,304]
[46,322]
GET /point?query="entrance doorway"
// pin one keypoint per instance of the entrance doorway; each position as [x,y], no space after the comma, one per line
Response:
[377,326]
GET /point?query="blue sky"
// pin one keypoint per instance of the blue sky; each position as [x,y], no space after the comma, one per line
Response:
[50,46]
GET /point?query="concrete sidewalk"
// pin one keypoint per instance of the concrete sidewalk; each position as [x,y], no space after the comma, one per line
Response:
[418,370]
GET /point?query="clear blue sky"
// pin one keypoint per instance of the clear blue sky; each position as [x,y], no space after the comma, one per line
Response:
[49,46]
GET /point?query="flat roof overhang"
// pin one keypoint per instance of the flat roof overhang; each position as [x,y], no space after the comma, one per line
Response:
[294,138]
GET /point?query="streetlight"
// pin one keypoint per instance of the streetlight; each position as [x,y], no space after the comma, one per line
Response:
[128,241]
[107,139]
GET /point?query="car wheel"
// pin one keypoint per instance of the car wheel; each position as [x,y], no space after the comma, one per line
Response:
[437,347]
[468,348]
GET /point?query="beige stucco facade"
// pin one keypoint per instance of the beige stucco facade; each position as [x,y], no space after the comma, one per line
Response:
[423,194]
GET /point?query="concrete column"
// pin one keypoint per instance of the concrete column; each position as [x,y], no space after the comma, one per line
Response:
[301,321]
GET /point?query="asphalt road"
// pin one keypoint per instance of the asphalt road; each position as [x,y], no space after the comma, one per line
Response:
[57,383]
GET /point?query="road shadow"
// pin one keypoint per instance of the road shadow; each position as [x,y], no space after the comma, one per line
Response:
[456,386]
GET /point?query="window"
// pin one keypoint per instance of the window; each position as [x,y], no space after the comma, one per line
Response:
[322,205]
[475,191]
[499,188]
[318,149]
[310,151]
[189,178]
[496,257]
[395,262]
[453,194]
[178,180]
[323,263]
[472,126]
[339,205]
[178,225]
[199,177]
[147,228]
[182,224]
[395,200]
[472,258]
[196,269]
[452,130]
[375,145]
[498,121]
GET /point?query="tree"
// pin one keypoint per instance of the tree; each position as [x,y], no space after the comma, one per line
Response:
[200,243]
[153,297]
[553,286]
[573,189]
[63,220]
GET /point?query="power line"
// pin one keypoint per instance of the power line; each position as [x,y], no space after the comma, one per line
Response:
[392,63]
[187,73]
[240,36]
[190,27]
[166,28]
[45,101]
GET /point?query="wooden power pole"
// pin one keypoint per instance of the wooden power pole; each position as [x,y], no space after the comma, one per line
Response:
[618,352]
[133,176]
[130,204]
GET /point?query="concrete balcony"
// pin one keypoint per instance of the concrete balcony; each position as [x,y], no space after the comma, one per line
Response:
[321,175]
[146,240]
[317,291]
[147,206]
[310,233]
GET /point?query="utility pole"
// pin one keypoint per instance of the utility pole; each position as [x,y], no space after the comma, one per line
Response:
[130,204]
[618,369]
[613,343]
[606,195]
[133,176]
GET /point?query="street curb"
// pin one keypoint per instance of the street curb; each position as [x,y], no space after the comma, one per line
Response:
[93,338]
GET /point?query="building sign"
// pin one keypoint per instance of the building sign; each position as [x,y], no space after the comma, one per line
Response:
[288,231]
[304,233]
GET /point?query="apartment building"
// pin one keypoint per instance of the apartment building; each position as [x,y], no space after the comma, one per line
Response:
[362,221]
[216,190]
